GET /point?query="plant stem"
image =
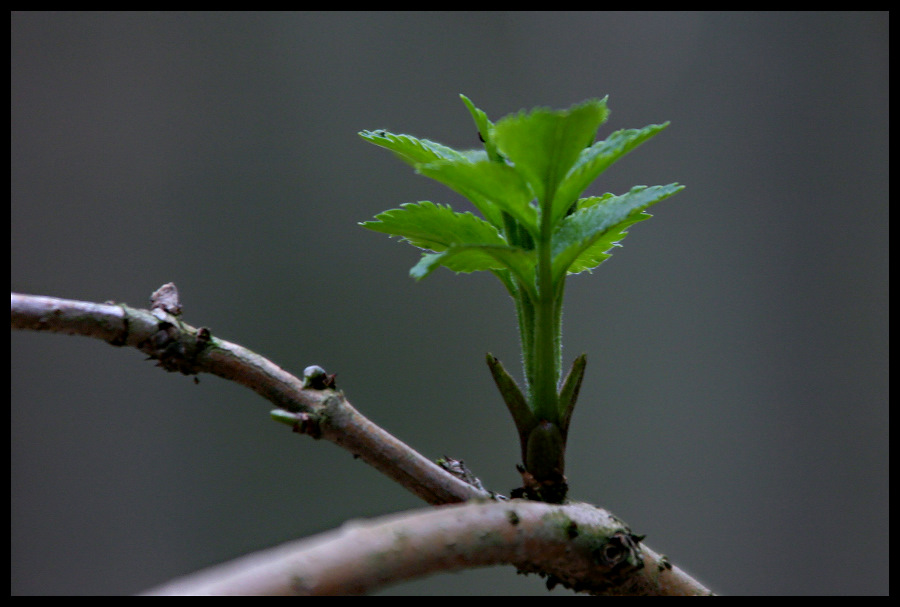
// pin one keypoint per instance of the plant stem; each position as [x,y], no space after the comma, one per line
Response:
[546,344]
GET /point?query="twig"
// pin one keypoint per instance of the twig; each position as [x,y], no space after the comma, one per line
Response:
[180,347]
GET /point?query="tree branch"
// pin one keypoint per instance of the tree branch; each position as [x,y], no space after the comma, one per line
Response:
[576,545]
[176,346]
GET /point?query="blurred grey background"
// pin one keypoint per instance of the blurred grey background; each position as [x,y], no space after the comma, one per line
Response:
[735,407]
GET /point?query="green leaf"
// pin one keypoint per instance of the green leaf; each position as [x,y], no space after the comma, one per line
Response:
[582,239]
[461,241]
[602,249]
[491,186]
[485,128]
[515,401]
[544,144]
[568,394]
[514,231]
[412,150]
[435,227]
[469,258]
[595,159]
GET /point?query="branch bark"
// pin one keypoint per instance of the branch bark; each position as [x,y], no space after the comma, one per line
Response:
[180,347]
[577,545]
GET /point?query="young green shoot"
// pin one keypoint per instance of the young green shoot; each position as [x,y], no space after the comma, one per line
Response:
[535,229]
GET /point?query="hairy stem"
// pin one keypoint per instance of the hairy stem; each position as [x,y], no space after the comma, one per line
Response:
[546,345]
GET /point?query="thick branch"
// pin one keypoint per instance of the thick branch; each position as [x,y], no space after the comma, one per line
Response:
[576,545]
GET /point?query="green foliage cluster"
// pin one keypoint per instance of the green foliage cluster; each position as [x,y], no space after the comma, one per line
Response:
[534,230]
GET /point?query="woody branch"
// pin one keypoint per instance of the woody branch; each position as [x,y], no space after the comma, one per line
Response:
[446,539]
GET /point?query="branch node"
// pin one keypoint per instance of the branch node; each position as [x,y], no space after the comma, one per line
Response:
[307,424]
[173,347]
